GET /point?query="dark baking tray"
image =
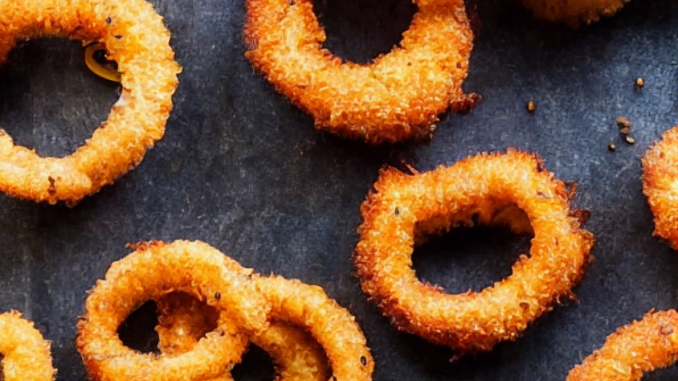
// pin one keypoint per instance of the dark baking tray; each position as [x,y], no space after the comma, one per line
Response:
[243,170]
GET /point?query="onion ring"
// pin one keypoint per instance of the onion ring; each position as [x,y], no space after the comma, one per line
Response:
[183,320]
[26,353]
[398,96]
[135,37]
[660,185]
[486,189]
[153,270]
[637,348]
[573,12]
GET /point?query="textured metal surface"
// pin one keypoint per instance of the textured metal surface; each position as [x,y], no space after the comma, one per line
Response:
[243,170]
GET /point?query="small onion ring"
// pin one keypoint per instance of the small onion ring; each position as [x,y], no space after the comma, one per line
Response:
[183,320]
[660,185]
[153,270]
[633,350]
[26,353]
[482,189]
[398,96]
[135,37]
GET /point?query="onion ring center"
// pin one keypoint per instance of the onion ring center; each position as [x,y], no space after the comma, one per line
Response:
[138,330]
[38,118]
[374,26]
[469,258]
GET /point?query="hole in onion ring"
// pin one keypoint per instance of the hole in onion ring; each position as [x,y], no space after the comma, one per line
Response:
[469,258]
[374,26]
[256,365]
[138,330]
[663,374]
[50,101]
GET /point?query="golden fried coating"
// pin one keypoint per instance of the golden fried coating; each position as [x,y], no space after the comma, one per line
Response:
[183,320]
[135,37]
[309,308]
[25,353]
[488,189]
[637,348]
[660,185]
[573,12]
[150,272]
[396,97]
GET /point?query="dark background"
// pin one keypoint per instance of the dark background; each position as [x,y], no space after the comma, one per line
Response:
[243,170]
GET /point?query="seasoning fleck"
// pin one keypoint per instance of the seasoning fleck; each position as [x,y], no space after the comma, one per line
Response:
[640,82]
[611,147]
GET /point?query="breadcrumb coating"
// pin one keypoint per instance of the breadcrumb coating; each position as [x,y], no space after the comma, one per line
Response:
[660,185]
[150,272]
[396,97]
[309,308]
[633,350]
[135,37]
[183,320]
[26,353]
[573,12]
[491,189]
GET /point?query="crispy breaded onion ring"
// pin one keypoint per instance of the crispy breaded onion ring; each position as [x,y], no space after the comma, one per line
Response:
[334,328]
[660,185]
[573,12]
[135,37]
[150,272]
[25,353]
[396,97]
[183,320]
[637,348]
[489,189]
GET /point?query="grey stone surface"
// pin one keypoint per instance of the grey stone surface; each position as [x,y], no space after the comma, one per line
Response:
[243,170]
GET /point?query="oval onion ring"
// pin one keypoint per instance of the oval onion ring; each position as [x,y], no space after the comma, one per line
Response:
[396,97]
[573,12]
[26,353]
[153,270]
[637,348]
[136,39]
[660,185]
[183,320]
[480,188]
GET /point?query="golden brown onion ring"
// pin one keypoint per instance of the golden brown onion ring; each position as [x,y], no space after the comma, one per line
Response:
[25,353]
[135,37]
[398,96]
[487,189]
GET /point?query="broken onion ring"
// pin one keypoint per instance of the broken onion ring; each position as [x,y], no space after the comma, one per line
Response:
[488,189]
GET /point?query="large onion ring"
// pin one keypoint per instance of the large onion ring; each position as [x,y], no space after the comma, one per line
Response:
[26,354]
[637,348]
[150,272]
[135,37]
[183,320]
[396,97]
[573,12]
[660,185]
[481,188]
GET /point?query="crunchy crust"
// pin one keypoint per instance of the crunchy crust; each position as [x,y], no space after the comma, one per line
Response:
[150,272]
[485,188]
[26,353]
[332,326]
[137,40]
[660,185]
[637,348]
[396,97]
[573,12]
[183,320]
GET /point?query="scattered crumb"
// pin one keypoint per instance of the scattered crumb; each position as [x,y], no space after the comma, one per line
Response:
[531,107]
[623,122]
[640,82]
[630,140]
[611,147]
[625,131]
